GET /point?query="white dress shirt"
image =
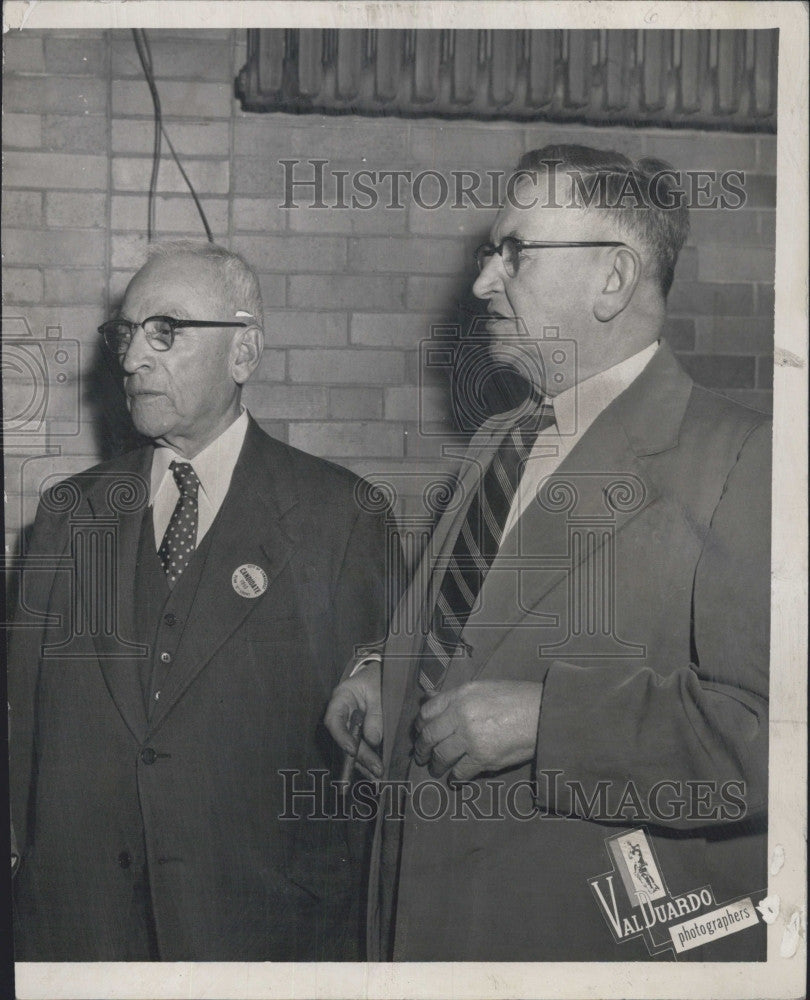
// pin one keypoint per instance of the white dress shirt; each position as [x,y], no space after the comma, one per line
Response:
[574,412]
[214,467]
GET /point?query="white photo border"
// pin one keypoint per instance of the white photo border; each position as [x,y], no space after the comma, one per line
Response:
[779,977]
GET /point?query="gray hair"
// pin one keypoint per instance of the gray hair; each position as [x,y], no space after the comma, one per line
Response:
[661,224]
[237,282]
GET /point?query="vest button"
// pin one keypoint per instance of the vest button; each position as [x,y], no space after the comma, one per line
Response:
[148,755]
[125,859]
[165,657]
[170,619]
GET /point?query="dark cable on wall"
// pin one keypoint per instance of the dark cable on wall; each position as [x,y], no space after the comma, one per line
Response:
[145,56]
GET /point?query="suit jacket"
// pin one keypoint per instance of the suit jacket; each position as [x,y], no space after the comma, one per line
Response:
[637,590]
[97,789]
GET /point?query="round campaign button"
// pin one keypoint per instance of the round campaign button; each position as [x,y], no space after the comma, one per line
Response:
[249,580]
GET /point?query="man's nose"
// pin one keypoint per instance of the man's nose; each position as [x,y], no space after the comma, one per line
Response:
[139,353]
[490,278]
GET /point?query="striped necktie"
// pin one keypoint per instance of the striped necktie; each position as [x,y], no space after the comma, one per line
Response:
[476,547]
[180,540]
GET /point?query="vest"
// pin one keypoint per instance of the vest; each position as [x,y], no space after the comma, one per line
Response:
[160,614]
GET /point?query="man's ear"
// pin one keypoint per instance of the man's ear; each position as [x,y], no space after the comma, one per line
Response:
[619,285]
[246,352]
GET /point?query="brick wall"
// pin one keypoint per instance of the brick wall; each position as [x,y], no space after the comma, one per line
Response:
[348,294]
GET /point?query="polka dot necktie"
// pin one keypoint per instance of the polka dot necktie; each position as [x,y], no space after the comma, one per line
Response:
[180,539]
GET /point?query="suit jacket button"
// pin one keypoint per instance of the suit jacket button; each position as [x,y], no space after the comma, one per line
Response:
[148,755]
[124,859]
[170,619]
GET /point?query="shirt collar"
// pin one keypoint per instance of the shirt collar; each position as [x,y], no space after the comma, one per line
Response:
[582,403]
[214,465]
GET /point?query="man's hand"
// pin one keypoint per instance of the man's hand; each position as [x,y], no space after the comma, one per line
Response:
[361,692]
[481,726]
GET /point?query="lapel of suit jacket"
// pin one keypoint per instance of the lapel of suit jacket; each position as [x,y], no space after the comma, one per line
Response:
[403,647]
[606,478]
[118,499]
[249,529]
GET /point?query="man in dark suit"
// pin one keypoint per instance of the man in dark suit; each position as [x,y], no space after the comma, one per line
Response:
[591,666]
[185,611]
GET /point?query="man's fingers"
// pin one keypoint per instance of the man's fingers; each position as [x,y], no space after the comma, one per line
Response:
[368,762]
[358,694]
[338,718]
[373,727]
[431,707]
[365,773]
[445,755]
[466,769]
[431,733]
[362,771]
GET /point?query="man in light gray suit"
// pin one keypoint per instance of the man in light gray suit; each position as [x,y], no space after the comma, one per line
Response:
[594,634]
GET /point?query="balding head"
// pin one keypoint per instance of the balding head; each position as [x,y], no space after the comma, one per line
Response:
[186,394]
[233,279]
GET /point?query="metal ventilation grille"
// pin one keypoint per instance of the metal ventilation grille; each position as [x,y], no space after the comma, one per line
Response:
[704,79]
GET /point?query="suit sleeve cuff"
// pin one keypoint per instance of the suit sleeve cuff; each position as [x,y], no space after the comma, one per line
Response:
[355,665]
[366,662]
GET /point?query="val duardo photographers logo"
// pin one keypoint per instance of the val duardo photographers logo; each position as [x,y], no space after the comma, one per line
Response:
[490,372]
[636,903]
[40,381]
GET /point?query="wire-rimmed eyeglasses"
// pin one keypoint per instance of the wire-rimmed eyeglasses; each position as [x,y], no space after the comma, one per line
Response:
[510,247]
[159,331]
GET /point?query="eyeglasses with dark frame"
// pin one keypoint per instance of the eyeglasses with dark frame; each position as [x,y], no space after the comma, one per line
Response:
[159,331]
[510,247]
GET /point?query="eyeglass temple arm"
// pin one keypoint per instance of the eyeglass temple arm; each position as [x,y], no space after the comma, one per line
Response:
[191,323]
[208,322]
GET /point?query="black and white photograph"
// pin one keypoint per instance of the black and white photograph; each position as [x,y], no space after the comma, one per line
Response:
[405,479]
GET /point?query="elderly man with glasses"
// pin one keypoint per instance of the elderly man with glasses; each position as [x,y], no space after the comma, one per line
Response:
[185,611]
[572,740]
